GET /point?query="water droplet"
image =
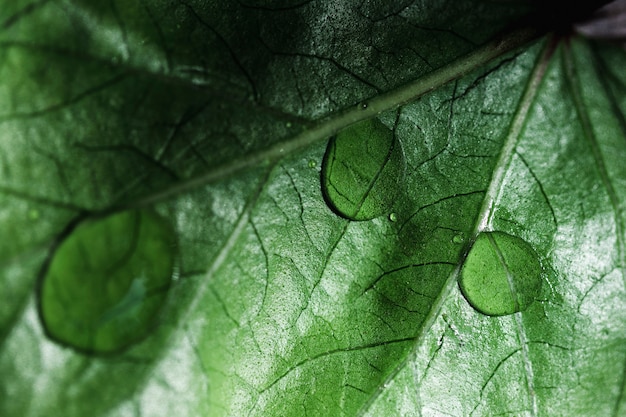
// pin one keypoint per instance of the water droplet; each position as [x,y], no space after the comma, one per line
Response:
[393,217]
[33,214]
[312,163]
[106,282]
[363,105]
[362,169]
[288,125]
[501,275]
[458,238]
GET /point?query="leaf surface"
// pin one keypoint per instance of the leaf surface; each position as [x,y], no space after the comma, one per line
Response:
[217,115]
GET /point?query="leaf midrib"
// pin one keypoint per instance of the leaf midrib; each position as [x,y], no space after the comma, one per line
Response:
[327,126]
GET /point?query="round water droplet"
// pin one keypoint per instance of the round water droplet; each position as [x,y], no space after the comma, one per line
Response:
[501,275]
[107,281]
[362,169]
[312,163]
[33,214]
[458,238]
[393,217]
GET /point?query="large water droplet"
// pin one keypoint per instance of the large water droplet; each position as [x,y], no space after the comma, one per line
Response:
[361,170]
[107,281]
[501,275]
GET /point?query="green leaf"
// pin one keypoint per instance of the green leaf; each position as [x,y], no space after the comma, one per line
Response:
[217,116]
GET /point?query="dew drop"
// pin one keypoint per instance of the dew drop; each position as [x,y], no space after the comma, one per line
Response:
[458,238]
[312,163]
[361,170]
[107,281]
[393,217]
[501,275]
[33,214]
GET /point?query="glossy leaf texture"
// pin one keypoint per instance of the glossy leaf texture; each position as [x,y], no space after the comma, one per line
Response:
[217,115]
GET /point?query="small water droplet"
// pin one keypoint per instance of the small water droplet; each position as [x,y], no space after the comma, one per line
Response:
[393,217]
[363,105]
[107,281]
[33,214]
[312,163]
[288,124]
[501,275]
[362,169]
[458,238]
